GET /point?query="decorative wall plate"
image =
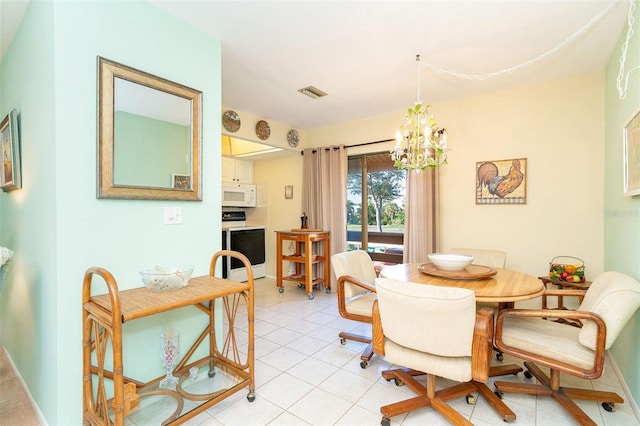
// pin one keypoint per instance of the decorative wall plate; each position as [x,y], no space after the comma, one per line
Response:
[231,121]
[263,130]
[293,138]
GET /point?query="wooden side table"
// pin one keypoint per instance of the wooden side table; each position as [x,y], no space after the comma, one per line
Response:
[304,258]
[562,284]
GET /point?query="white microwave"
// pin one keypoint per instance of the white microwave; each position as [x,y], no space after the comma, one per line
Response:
[238,195]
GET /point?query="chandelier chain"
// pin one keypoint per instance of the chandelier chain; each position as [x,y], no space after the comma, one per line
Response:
[418,70]
[530,62]
[622,91]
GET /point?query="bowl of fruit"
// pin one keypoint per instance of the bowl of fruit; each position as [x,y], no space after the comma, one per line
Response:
[567,268]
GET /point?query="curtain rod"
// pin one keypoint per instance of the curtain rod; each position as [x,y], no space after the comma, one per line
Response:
[369,143]
[354,145]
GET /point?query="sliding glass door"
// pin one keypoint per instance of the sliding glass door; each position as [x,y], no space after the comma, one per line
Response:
[375,206]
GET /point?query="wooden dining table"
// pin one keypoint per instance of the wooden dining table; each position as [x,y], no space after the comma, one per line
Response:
[506,286]
[491,285]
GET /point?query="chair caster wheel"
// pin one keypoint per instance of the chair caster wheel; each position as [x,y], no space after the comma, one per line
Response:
[300,285]
[609,406]
[398,382]
[471,400]
[251,397]
[310,296]
[385,422]
[363,364]
[527,374]
[499,357]
[327,290]
[499,394]
[281,289]
[211,373]
[343,341]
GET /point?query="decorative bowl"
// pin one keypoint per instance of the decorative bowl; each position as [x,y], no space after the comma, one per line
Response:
[450,262]
[161,279]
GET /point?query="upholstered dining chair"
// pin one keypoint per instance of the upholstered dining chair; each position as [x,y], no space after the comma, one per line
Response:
[436,331]
[611,300]
[486,257]
[355,274]
[490,258]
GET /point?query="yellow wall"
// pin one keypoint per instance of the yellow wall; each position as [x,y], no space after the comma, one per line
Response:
[271,176]
[558,126]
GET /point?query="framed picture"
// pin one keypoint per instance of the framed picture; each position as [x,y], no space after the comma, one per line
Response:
[11,173]
[288,192]
[501,182]
[631,167]
[181,181]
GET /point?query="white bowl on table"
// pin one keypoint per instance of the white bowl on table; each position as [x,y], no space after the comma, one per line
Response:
[162,279]
[450,262]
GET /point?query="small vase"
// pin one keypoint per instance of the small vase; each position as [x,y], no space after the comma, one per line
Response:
[303,222]
[169,352]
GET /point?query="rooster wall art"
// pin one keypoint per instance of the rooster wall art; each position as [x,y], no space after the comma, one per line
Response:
[501,182]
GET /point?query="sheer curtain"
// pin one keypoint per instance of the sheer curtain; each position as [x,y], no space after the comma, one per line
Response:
[422,217]
[324,194]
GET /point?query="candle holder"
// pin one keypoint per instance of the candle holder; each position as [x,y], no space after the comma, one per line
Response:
[169,351]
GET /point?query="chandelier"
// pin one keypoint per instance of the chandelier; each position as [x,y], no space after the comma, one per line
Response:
[420,143]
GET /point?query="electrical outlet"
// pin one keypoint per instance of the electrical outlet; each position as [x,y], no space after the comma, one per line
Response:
[172,215]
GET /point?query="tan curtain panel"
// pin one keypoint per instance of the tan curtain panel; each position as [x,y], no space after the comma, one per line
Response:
[422,217]
[324,193]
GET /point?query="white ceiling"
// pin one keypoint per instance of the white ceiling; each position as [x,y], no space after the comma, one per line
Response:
[362,53]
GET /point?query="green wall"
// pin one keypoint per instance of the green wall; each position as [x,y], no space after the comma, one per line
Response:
[29,299]
[148,151]
[55,224]
[622,214]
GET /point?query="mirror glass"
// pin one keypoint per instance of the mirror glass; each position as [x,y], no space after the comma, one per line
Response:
[149,136]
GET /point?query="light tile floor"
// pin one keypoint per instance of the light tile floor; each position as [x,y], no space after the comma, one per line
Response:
[304,376]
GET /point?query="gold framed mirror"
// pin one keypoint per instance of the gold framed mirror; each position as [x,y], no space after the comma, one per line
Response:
[149,136]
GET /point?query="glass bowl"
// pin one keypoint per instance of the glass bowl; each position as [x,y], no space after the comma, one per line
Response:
[161,279]
[450,262]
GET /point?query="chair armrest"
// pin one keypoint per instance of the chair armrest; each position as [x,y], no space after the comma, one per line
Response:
[482,345]
[377,334]
[599,352]
[354,281]
[342,300]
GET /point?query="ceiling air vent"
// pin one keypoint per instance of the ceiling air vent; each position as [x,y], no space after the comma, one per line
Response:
[312,92]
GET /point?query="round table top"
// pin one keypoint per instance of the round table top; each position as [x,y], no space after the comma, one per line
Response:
[505,286]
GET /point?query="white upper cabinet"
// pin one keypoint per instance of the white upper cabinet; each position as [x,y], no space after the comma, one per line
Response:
[238,171]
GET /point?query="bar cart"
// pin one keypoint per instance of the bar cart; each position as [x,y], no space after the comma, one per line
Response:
[109,397]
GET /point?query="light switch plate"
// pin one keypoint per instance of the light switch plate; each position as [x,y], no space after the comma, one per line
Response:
[172,215]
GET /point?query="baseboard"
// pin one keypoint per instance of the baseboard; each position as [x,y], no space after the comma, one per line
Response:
[627,392]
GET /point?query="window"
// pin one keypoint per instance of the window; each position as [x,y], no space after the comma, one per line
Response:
[378,227]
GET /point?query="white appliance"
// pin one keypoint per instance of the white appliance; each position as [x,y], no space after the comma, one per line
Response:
[238,195]
[246,239]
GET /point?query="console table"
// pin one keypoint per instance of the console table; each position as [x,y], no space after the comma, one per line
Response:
[203,382]
[562,285]
[304,258]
